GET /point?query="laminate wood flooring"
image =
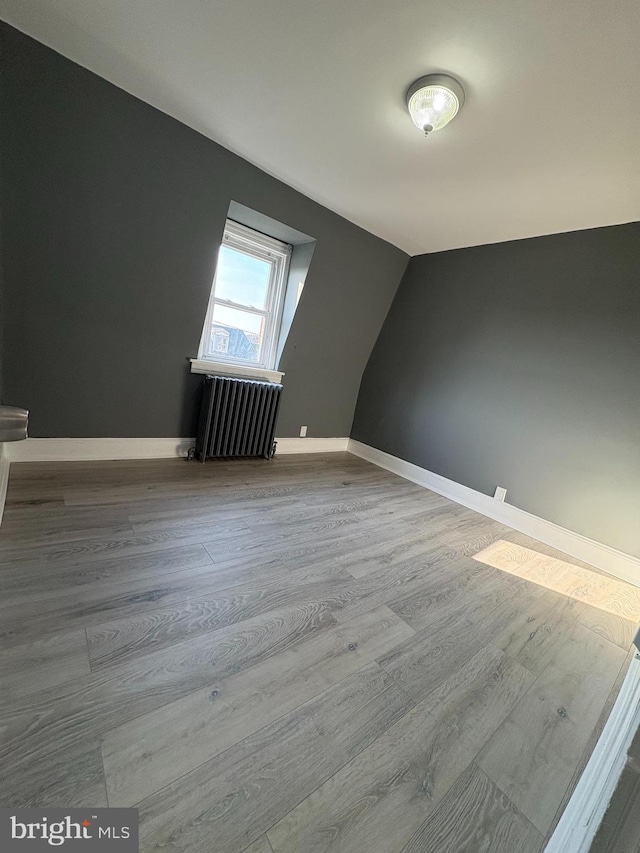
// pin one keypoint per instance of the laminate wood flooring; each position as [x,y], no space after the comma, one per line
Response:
[306,654]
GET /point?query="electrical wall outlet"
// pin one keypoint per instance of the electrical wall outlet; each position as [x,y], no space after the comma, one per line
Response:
[303,432]
[500,493]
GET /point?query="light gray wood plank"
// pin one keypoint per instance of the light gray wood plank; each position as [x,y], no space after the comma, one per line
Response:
[316,532]
[535,635]
[298,552]
[235,797]
[612,627]
[475,816]
[44,578]
[401,550]
[448,584]
[260,846]
[70,777]
[533,754]
[204,515]
[150,751]
[51,526]
[448,643]
[26,616]
[60,717]
[402,582]
[150,629]
[42,502]
[43,663]
[76,551]
[379,799]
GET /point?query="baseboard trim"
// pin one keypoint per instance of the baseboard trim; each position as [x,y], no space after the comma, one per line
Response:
[87,449]
[5,465]
[311,445]
[587,807]
[96,449]
[603,557]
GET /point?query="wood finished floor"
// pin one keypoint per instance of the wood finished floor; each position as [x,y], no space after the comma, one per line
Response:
[308,654]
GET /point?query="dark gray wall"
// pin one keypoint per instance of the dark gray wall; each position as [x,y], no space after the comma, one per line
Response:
[518,365]
[2,311]
[113,214]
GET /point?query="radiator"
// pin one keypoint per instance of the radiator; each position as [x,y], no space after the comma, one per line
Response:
[237,418]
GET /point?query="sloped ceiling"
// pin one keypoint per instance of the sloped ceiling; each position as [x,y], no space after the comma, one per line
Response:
[313,92]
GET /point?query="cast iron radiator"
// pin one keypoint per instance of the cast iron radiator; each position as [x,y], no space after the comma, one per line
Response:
[237,418]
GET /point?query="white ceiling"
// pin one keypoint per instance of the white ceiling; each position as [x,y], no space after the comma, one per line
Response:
[313,92]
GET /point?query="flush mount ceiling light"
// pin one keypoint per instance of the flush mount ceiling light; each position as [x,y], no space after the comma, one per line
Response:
[433,101]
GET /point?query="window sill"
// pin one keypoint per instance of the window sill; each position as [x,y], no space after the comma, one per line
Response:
[241,371]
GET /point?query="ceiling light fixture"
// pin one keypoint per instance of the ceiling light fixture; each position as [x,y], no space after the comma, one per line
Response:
[433,101]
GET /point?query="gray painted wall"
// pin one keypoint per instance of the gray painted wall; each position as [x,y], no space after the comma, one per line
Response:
[518,365]
[2,310]
[113,216]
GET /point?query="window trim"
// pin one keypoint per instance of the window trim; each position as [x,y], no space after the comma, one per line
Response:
[257,245]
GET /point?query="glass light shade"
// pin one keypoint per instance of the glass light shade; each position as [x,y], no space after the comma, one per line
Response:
[433,101]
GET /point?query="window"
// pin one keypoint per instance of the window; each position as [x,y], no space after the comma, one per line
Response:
[243,317]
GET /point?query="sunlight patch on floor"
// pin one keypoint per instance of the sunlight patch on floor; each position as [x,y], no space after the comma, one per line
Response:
[601,591]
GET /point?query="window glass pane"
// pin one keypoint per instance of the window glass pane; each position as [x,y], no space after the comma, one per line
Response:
[236,333]
[242,279]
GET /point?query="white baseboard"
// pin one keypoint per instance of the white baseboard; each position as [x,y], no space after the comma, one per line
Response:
[4,478]
[586,808]
[311,445]
[603,557]
[85,449]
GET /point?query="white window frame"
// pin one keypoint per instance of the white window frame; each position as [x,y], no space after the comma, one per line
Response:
[257,245]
